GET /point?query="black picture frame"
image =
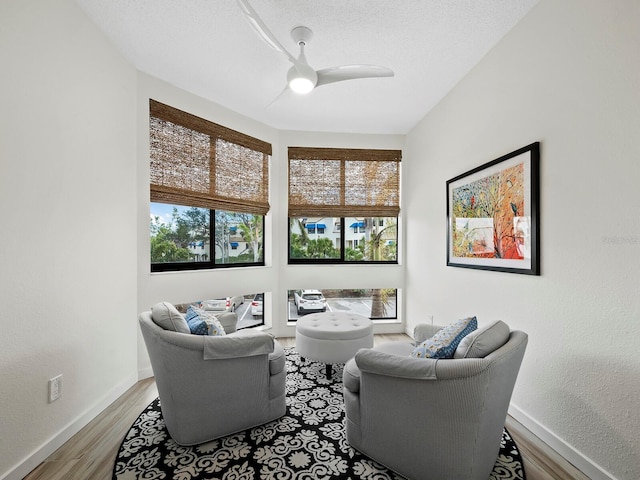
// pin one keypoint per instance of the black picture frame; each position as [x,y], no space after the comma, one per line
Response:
[493,214]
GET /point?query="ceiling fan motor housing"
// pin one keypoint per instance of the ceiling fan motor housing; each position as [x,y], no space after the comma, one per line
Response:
[301,35]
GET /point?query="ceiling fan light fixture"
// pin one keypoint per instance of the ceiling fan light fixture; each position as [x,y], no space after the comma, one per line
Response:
[302,79]
[300,85]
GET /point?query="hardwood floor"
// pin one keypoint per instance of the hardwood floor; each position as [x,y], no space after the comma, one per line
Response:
[541,462]
[91,452]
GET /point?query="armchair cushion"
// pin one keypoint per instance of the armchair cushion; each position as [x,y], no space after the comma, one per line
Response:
[482,342]
[444,343]
[201,323]
[228,320]
[167,316]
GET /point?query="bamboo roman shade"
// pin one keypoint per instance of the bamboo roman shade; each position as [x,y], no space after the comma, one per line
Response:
[197,163]
[342,182]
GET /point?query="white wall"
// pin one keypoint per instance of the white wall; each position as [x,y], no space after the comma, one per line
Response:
[568,76]
[68,241]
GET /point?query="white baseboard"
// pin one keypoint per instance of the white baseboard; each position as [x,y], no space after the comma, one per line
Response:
[573,456]
[23,468]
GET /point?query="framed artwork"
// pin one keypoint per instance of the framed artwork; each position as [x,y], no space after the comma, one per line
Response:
[493,217]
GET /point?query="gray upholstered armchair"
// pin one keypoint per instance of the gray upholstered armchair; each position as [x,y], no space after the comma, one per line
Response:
[212,386]
[434,419]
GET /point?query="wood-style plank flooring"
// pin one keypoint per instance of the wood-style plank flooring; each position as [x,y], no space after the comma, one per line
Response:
[91,452]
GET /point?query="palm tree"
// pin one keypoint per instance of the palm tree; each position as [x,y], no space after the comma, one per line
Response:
[378,303]
[304,235]
[380,300]
[373,240]
[251,231]
[221,234]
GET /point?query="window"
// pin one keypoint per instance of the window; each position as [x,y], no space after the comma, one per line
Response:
[356,192]
[181,240]
[370,243]
[376,304]
[305,244]
[358,227]
[209,192]
[179,234]
[238,238]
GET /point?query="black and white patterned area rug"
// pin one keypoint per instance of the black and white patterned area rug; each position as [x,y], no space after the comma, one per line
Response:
[308,442]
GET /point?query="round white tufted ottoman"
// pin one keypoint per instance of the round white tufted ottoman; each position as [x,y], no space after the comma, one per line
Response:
[332,337]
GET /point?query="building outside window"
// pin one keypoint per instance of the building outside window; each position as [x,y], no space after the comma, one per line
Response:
[182,235]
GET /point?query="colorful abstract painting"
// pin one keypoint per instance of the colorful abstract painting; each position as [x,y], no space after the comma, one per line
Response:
[492,213]
[488,216]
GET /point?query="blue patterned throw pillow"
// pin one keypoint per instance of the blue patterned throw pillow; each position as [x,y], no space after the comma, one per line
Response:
[202,323]
[214,327]
[444,343]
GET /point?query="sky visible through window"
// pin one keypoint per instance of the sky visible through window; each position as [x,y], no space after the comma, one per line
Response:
[164,211]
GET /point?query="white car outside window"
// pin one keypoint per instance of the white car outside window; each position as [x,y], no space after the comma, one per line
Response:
[310,301]
[256,305]
[227,304]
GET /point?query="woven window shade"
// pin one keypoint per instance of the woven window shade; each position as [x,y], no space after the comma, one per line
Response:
[344,182]
[197,163]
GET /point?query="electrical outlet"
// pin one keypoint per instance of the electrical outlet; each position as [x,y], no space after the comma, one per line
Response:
[55,388]
[431,318]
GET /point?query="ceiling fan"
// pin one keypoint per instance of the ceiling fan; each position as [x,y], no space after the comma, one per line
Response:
[301,77]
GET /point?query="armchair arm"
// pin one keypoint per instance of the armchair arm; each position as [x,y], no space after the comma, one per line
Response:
[351,376]
[380,363]
[238,344]
[277,359]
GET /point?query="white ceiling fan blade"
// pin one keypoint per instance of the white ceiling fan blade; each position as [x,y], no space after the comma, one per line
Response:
[262,30]
[351,72]
[284,92]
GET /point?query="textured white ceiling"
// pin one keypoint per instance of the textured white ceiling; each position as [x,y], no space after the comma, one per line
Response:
[208,48]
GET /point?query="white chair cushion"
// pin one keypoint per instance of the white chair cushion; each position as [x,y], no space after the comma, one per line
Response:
[165,315]
[482,342]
